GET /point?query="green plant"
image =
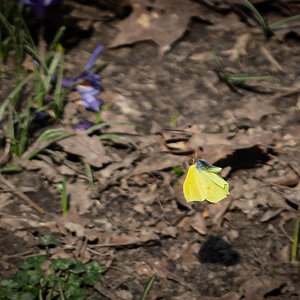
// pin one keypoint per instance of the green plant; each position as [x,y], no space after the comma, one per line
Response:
[178,171]
[296,237]
[148,287]
[62,188]
[12,34]
[20,111]
[174,118]
[268,29]
[42,278]
[46,139]
[236,79]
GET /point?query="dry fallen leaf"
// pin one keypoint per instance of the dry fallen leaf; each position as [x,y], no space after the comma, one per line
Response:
[163,22]
[158,161]
[254,109]
[89,147]
[79,197]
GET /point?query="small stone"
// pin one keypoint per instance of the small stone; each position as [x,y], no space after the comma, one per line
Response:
[124,295]
[233,234]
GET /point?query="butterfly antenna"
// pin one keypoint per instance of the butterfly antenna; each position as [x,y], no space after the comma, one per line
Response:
[195,156]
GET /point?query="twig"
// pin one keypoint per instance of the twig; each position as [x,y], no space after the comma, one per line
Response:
[5,152]
[271,59]
[287,92]
[22,195]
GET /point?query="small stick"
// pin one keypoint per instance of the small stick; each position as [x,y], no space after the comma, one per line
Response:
[5,153]
[271,59]
[22,195]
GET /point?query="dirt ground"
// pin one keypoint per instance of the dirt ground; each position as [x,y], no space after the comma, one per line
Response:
[135,220]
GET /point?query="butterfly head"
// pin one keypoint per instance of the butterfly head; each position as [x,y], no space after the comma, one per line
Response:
[203,165]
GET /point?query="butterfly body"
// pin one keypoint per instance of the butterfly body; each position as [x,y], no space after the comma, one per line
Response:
[202,183]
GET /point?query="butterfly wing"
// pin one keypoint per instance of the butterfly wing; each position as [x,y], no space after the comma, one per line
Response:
[216,187]
[193,188]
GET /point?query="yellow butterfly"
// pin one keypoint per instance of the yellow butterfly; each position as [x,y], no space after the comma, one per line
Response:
[202,183]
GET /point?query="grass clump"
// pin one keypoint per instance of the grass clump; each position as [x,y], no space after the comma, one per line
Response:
[40,278]
[268,29]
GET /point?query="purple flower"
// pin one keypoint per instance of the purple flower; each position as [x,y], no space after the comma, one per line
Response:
[84,125]
[39,5]
[40,117]
[88,84]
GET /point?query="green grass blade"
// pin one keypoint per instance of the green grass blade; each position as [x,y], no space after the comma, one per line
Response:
[109,136]
[284,21]
[295,240]
[58,96]
[36,57]
[240,79]
[105,124]
[55,41]
[148,287]
[53,66]
[10,168]
[46,139]
[28,38]
[52,134]
[13,94]
[261,21]
[8,27]
[89,174]
[64,198]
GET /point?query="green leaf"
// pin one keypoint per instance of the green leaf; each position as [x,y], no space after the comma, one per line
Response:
[61,263]
[10,168]
[94,266]
[10,283]
[55,41]
[261,21]
[78,294]
[178,171]
[78,268]
[148,287]
[34,277]
[105,124]
[22,296]
[91,278]
[12,95]
[285,21]
[22,277]
[33,262]
[64,198]
[4,291]
[32,290]
[74,280]
[48,240]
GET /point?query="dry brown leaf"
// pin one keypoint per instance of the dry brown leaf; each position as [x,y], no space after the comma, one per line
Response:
[163,22]
[88,147]
[216,211]
[286,180]
[253,137]
[79,197]
[13,223]
[158,161]
[257,287]
[254,109]
[198,223]
[188,258]
[270,214]
[117,239]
